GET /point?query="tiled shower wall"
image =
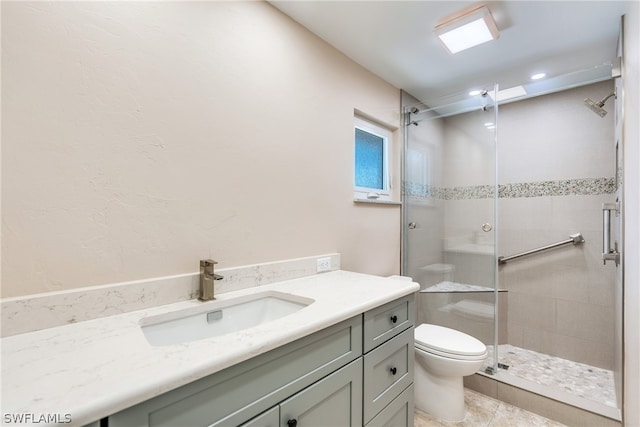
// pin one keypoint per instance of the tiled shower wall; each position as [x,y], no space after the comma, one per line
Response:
[561,302]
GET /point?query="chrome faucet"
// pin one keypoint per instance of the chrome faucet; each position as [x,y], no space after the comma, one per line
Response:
[207,278]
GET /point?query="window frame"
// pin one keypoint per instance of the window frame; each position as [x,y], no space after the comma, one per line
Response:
[386,134]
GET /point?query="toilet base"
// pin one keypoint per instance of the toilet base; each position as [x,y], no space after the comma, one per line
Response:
[441,397]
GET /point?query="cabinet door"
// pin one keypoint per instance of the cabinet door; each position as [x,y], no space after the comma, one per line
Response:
[333,401]
[398,413]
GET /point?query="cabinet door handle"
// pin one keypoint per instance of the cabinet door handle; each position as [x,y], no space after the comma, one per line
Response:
[393,370]
[292,423]
[394,318]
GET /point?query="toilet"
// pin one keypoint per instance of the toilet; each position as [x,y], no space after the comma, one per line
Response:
[442,357]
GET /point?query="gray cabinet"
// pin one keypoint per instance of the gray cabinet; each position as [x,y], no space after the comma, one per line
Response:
[399,413]
[388,364]
[239,393]
[386,321]
[316,381]
[388,370]
[269,418]
[334,401]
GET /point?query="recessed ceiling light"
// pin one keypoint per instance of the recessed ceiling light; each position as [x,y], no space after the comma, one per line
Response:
[538,76]
[512,92]
[467,28]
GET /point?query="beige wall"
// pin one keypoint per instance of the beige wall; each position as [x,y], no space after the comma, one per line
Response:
[140,137]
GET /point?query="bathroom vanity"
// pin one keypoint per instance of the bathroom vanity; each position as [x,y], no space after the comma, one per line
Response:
[344,359]
[358,372]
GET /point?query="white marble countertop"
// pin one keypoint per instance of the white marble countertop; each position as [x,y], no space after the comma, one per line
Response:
[95,368]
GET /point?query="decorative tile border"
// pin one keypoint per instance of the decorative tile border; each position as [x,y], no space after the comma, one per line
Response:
[471,192]
[421,191]
[565,187]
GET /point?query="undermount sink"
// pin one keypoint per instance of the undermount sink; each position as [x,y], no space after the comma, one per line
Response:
[222,317]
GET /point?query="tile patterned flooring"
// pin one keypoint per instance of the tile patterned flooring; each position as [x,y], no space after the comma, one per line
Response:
[483,411]
[566,376]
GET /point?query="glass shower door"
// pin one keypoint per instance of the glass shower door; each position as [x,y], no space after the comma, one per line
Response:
[450,214]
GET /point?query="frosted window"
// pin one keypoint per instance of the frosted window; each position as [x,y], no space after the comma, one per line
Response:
[371,154]
[369,160]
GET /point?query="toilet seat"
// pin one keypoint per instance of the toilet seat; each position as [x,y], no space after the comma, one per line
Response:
[446,342]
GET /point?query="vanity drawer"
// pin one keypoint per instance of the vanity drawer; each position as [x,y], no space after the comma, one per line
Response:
[388,370]
[384,322]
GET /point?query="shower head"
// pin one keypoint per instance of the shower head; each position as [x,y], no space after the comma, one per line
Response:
[597,107]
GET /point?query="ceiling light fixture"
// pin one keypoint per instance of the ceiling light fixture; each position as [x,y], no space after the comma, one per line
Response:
[538,76]
[475,92]
[467,28]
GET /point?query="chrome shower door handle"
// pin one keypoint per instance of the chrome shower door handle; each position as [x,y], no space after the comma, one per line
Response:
[609,254]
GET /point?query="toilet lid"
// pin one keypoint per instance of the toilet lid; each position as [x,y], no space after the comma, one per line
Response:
[448,341]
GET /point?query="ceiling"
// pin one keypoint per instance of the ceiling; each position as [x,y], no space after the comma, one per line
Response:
[574,42]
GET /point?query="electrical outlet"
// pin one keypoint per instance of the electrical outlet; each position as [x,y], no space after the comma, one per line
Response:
[324,264]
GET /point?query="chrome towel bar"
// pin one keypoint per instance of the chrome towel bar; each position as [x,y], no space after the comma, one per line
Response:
[573,239]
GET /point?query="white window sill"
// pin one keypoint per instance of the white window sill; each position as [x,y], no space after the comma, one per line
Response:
[377,202]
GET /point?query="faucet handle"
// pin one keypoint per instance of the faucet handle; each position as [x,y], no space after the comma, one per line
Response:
[207,276]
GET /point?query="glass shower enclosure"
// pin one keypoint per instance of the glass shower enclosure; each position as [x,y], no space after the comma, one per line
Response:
[550,319]
[450,199]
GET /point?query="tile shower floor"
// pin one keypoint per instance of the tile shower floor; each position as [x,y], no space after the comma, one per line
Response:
[560,375]
[483,411]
